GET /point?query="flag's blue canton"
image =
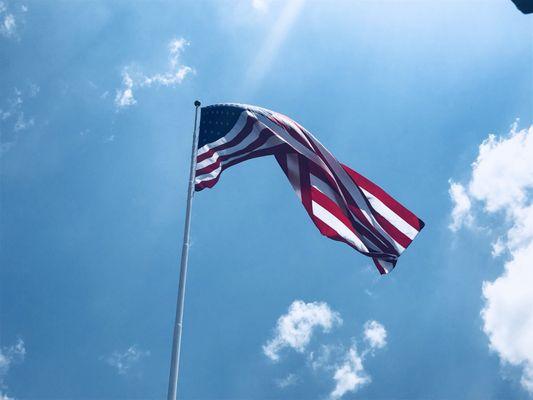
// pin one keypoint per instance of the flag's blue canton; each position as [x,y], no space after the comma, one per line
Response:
[216,121]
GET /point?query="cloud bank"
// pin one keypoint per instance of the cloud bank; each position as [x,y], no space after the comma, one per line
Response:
[501,185]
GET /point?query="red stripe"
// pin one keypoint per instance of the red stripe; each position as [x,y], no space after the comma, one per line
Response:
[393,232]
[327,231]
[385,198]
[358,229]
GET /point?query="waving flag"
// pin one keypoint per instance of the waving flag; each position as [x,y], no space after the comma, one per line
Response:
[344,205]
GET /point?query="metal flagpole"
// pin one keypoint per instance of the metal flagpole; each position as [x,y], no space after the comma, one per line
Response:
[176,344]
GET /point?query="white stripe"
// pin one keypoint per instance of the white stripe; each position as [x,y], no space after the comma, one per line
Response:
[334,223]
[241,122]
[293,172]
[391,216]
[327,190]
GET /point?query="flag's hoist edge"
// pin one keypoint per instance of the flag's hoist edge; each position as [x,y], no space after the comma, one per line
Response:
[344,205]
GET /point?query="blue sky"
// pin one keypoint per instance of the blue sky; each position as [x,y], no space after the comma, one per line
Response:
[93,189]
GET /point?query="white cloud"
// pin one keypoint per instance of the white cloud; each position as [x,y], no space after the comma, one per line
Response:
[175,74]
[349,376]
[8,356]
[461,206]
[123,362]
[375,334]
[296,328]
[501,184]
[289,380]
[503,171]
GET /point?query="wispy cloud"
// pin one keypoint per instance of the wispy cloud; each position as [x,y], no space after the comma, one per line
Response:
[109,139]
[133,79]
[13,119]
[124,97]
[295,329]
[500,186]
[9,356]
[123,362]
[9,20]
[289,380]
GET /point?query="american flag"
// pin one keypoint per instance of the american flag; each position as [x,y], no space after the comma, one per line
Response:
[344,205]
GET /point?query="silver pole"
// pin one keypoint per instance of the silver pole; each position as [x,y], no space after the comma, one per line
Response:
[176,344]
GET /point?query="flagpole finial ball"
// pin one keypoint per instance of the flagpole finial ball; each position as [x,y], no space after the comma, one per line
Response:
[197,103]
